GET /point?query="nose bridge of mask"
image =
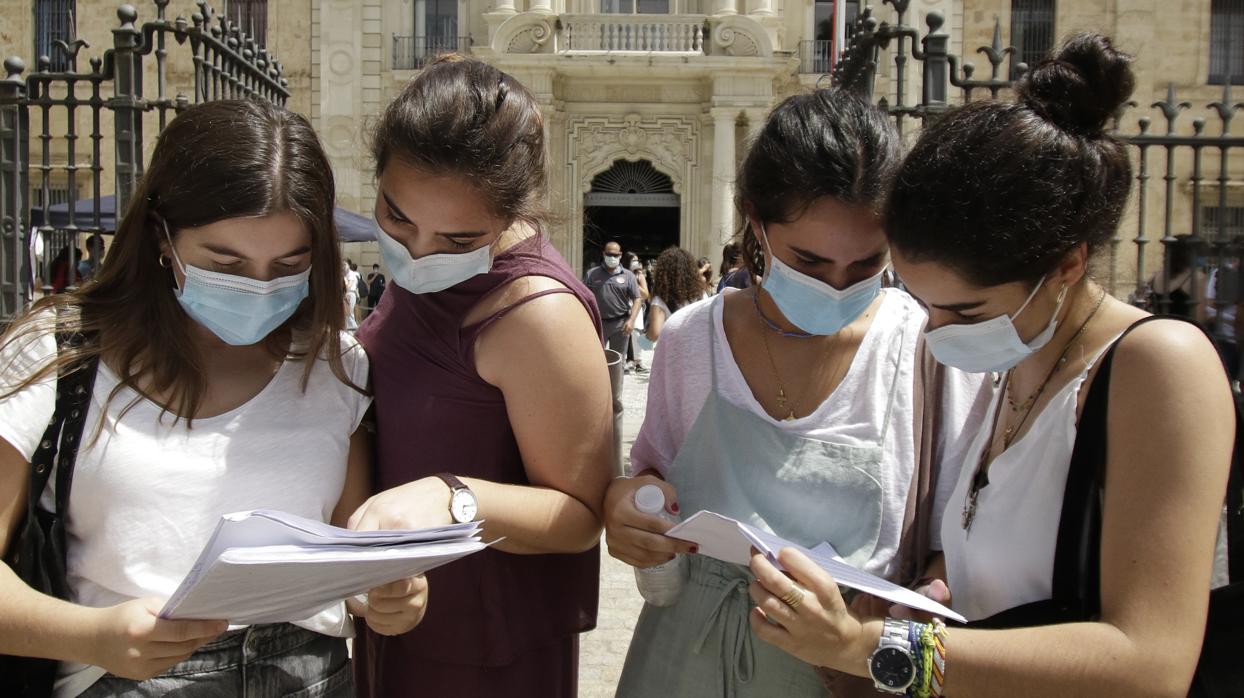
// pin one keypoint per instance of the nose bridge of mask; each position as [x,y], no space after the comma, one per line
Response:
[860,286]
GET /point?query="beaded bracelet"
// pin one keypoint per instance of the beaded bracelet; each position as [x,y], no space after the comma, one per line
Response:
[938,673]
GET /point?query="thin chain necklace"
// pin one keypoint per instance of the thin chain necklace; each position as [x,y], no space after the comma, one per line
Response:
[772,325]
[791,406]
[980,479]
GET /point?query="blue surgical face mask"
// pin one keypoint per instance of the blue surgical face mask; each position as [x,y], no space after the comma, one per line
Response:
[238,309]
[433,273]
[812,305]
[991,345]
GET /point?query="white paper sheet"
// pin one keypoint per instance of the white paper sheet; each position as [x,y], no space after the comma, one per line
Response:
[271,567]
[726,539]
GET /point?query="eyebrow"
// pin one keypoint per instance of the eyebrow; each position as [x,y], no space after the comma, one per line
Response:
[217,249]
[461,234]
[960,307]
[816,258]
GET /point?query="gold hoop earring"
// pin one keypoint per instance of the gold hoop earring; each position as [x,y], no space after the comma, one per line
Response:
[164,261]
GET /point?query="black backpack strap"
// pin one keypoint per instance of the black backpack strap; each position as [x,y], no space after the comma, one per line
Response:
[57,451]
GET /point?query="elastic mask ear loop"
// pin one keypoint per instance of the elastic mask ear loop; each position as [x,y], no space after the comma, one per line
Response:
[173,251]
[1032,295]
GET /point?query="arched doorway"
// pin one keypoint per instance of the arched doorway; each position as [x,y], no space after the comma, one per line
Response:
[634,204]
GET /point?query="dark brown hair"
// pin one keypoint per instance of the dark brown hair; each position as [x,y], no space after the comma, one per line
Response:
[462,117]
[825,143]
[215,161]
[676,278]
[1002,191]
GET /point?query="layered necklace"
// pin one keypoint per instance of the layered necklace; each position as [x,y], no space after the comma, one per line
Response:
[1019,411]
[787,405]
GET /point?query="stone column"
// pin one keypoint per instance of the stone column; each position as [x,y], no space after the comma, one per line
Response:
[755,123]
[542,6]
[504,7]
[760,7]
[723,174]
[725,7]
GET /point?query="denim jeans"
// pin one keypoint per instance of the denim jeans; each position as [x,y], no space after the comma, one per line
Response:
[262,661]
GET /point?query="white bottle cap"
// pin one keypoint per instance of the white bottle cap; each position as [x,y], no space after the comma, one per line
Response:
[650,499]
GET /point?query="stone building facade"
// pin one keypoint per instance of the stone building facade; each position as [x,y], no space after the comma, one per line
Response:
[649,104]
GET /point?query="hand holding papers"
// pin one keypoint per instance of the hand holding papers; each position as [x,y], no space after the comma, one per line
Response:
[732,541]
[272,567]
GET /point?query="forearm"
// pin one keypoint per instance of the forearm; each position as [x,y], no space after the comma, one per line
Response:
[36,625]
[534,520]
[635,308]
[1075,659]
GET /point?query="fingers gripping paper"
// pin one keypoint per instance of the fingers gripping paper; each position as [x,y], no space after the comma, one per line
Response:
[272,567]
[725,539]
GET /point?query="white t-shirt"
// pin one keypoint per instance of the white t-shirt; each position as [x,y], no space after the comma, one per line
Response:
[147,495]
[853,414]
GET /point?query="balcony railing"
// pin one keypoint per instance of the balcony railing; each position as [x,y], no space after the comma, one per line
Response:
[637,33]
[816,56]
[415,52]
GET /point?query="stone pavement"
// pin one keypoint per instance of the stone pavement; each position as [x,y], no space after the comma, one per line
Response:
[603,650]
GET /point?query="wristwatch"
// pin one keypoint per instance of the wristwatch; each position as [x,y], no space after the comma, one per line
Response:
[462,504]
[892,666]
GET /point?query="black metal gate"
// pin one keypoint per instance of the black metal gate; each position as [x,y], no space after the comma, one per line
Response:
[1214,232]
[225,63]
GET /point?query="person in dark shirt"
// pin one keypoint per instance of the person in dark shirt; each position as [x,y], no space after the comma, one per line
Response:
[618,296]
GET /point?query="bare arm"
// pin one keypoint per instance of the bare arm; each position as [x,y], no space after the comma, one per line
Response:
[546,359]
[656,321]
[358,477]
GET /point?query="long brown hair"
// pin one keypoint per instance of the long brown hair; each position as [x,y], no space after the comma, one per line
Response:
[215,161]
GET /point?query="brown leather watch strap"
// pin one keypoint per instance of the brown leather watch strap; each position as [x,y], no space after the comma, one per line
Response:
[453,482]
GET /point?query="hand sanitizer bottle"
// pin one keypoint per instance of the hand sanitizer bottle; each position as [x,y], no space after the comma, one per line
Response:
[660,585]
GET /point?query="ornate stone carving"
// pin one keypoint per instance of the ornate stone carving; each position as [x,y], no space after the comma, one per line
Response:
[524,33]
[595,142]
[740,36]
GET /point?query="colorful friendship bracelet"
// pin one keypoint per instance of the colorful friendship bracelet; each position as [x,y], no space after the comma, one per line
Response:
[927,642]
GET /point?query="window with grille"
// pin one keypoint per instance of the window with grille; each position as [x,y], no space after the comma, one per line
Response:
[1232,222]
[1032,31]
[55,20]
[1226,42]
[251,16]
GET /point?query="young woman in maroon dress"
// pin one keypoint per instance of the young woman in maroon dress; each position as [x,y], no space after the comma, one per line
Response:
[491,391]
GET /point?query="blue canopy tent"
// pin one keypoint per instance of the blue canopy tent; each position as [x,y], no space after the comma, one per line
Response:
[351,227]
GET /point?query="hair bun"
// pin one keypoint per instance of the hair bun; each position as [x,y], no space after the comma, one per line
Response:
[1081,87]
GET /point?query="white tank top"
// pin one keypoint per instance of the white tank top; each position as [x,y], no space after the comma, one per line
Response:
[1008,557]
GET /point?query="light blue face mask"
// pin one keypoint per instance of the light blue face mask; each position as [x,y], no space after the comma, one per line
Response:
[435,272]
[238,309]
[812,305]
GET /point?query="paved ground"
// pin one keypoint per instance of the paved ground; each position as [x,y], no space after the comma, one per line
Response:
[604,649]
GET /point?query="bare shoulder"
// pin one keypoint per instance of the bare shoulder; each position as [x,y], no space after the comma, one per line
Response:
[511,294]
[1170,370]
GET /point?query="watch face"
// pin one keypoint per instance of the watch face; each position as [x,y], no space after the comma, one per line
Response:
[463,506]
[892,668]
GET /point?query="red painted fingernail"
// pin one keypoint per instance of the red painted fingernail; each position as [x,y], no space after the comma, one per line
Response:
[674,507]
[695,549]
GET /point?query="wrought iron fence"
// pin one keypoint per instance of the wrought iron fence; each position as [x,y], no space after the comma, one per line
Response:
[416,52]
[1219,246]
[224,63]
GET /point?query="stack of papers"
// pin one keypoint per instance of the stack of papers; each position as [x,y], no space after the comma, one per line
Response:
[728,540]
[271,567]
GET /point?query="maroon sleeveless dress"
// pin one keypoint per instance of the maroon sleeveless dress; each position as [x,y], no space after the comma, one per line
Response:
[497,624]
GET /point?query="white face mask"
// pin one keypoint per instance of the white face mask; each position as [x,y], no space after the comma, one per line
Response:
[435,272]
[612,261]
[992,345]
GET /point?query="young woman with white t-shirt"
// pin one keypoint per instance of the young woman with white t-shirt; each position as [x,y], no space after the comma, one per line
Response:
[1090,590]
[790,406]
[224,383]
